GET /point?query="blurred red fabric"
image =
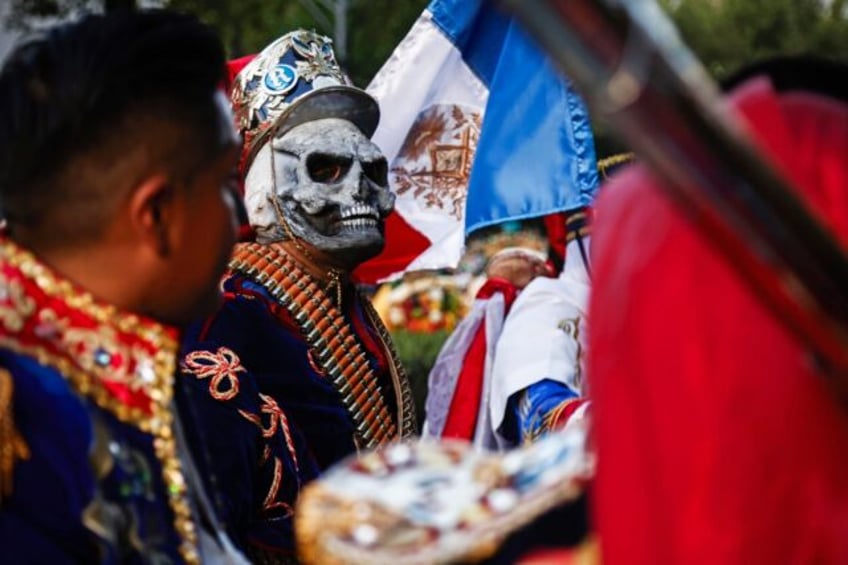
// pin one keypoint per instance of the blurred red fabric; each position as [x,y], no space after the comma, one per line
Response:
[718,442]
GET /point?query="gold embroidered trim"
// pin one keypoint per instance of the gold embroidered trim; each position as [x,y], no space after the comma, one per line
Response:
[584,231]
[12,446]
[613,161]
[329,336]
[88,384]
[552,417]
[577,224]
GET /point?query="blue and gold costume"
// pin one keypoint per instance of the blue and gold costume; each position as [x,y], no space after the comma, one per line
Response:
[89,466]
[288,384]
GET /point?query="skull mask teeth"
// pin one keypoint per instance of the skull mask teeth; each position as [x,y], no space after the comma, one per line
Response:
[331,184]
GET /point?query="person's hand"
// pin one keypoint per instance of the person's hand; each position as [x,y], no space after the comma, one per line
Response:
[518,266]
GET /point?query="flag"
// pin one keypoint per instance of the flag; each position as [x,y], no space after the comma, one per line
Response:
[478,129]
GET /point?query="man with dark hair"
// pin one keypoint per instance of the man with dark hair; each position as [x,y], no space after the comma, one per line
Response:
[117,154]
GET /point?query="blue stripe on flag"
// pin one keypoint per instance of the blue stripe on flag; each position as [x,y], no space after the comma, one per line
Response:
[536,153]
[475,30]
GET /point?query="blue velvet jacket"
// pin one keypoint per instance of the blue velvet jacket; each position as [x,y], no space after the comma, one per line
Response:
[285,384]
[89,468]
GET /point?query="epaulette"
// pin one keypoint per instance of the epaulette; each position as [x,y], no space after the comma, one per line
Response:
[608,165]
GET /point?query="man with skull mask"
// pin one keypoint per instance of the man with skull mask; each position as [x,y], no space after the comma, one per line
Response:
[295,370]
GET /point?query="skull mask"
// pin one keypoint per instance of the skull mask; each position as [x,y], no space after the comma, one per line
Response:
[329,182]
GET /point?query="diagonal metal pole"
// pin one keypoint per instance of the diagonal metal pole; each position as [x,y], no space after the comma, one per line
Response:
[322,11]
[317,14]
[340,9]
[627,59]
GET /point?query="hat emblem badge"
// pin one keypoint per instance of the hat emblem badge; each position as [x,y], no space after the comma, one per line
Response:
[280,79]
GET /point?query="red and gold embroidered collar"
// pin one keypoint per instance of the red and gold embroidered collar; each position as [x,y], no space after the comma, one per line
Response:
[122,362]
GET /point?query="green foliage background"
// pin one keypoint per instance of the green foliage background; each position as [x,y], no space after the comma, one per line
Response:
[417,352]
[375,26]
[724,33]
[727,34]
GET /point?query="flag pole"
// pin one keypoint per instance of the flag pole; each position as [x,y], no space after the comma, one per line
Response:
[629,62]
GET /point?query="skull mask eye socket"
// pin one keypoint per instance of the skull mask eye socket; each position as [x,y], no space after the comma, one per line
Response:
[377,171]
[326,168]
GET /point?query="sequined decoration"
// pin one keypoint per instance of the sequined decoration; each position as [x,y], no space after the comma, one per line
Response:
[13,448]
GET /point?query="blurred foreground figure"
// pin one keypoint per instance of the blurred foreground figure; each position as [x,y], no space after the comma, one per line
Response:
[443,502]
[295,371]
[116,159]
[717,440]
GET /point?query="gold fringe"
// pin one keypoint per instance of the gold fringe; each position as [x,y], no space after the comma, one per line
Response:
[612,161]
[12,446]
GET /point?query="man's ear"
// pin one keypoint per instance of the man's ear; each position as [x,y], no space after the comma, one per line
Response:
[151,209]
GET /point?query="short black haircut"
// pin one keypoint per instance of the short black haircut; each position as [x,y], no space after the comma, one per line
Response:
[89,104]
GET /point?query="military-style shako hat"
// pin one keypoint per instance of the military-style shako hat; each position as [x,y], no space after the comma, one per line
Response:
[295,80]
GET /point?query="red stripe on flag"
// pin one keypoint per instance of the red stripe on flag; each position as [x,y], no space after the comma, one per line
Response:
[403,244]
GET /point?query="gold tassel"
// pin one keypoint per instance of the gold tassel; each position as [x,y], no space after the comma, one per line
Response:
[12,445]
